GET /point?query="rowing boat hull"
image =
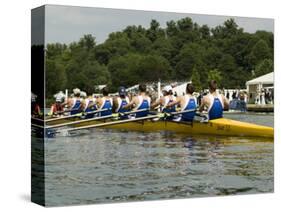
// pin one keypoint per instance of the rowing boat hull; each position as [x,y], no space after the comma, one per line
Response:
[222,126]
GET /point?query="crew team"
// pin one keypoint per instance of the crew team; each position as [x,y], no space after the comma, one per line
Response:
[214,103]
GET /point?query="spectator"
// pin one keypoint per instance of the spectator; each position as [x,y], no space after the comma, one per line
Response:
[227,94]
[234,95]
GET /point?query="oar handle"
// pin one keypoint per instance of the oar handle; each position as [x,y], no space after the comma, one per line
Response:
[112,123]
[181,112]
[96,111]
[133,111]
[76,115]
[79,121]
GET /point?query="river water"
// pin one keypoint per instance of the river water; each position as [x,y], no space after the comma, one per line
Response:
[100,165]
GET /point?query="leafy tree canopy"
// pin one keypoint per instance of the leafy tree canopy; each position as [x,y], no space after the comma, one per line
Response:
[182,50]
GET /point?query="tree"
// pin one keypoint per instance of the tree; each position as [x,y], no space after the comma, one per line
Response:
[215,74]
[189,56]
[171,29]
[140,43]
[228,30]
[54,50]
[185,24]
[94,74]
[228,68]
[182,50]
[154,31]
[102,54]
[124,70]
[268,37]
[264,67]
[163,47]
[260,52]
[195,78]
[204,32]
[55,77]
[88,42]
[153,67]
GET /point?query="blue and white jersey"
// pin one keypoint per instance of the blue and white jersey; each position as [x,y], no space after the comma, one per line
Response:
[168,100]
[89,109]
[190,104]
[121,103]
[76,105]
[144,103]
[106,104]
[215,109]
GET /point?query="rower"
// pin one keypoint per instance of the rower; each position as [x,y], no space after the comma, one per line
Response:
[214,102]
[120,101]
[74,103]
[186,102]
[57,107]
[35,108]
[165,100]
[88,105]
[105,103]
[140,102]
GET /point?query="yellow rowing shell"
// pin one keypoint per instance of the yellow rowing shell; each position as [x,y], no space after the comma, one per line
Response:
[222,126]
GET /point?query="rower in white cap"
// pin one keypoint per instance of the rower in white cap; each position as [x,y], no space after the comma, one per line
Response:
[165,100]
[58,107]
[74,103]
[88,104]
[35,108]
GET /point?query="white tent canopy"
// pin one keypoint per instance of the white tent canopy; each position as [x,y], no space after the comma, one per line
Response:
[256,86]
[265,79]
[180,89]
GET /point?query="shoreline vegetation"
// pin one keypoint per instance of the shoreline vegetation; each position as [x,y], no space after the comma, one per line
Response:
[181,51]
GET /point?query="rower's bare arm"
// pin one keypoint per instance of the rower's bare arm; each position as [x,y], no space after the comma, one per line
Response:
[69,102]
[176,102]
[115,104]
[51,111]
[226,103]
[83,104]
[91,104]
[99,103]
[64,103]
[203,104]
[155,104]
[131,104]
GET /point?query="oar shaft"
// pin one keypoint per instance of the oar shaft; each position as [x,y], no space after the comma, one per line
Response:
[37,125]
[114,123]
[36,119]
[134,111]
[181,112]
[75,115]
[79,121]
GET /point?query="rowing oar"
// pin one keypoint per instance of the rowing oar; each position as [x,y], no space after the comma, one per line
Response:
[67,111]
[112,123]
[37,125]
[133,111]
[76,115]
[36,119]
[181,112]
[187,111]
[116,115]
[204,116]
[165,115]
[79,121]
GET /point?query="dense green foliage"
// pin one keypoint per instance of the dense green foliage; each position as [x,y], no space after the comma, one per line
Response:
[181,51]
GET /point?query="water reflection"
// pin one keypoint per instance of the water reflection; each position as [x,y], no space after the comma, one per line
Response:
[106,165]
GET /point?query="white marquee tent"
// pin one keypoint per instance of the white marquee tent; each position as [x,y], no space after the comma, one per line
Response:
[255,86]
[262,80]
